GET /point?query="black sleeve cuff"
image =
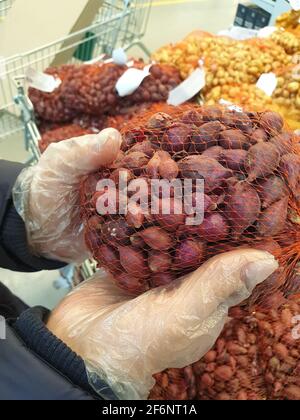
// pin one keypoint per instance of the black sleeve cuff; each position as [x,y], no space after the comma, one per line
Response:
[9,171]
[14,240]
[14,252]
[31,329]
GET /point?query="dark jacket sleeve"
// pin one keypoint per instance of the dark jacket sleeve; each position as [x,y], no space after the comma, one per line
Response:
[36,365]
[14,252]
[24,376]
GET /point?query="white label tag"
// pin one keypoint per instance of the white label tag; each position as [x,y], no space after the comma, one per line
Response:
[188,89]
[130,63]
[42,81]
[230,105]
[131,80]
[295,4]
[267,31]
[267,83]
[239,33]
[119,57]
[2,68]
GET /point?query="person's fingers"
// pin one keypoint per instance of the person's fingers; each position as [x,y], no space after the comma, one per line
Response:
[179,323]
[53,210]
[83,306]
[236,274]
[80,156]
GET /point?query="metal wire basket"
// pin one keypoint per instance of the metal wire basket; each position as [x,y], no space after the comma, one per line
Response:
[117,24]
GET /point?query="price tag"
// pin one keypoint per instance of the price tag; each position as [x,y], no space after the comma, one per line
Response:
[119,57]
[2,68]
[295,4]
[131,80]
[42,81]
[230,106]
[189,88]
[239,33]
[267,83]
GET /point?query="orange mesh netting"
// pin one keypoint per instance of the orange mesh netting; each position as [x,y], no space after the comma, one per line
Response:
[89,124]
[226,61]
[252,193]
[51,106]
[289,20]
[242,95]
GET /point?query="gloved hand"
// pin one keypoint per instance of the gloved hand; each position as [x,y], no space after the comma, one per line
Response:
[126,340]
[47,195]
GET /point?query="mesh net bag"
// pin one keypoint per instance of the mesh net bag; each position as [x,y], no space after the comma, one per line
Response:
[116,119]
[89,124]
[226,60]
[287,95]
[287,40]
[251,167]
[90,89]
[62,133]
[289,20]
[252,194]
[257,357]
[51,106]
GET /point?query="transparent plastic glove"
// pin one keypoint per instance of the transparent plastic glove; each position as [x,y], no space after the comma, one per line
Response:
[47,195]
[124,340]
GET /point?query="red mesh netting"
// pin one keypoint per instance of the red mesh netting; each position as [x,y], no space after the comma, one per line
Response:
[250,164]
[90,89]
[252,193]
[62,133]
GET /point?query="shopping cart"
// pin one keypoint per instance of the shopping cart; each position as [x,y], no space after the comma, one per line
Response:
[5,5]
[117,24]
[274,7]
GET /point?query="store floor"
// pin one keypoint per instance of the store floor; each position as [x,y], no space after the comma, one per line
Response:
[170,21]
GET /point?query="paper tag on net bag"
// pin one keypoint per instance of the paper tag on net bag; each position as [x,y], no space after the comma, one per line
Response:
[295,4]
[231,106]
[131,80]
[189,88]
[119,56]
[267,83]
[42,81]
[2,68]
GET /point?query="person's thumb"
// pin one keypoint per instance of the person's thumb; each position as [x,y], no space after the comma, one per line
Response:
[192,312]
[229,278]
[174,326]
[80,156]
